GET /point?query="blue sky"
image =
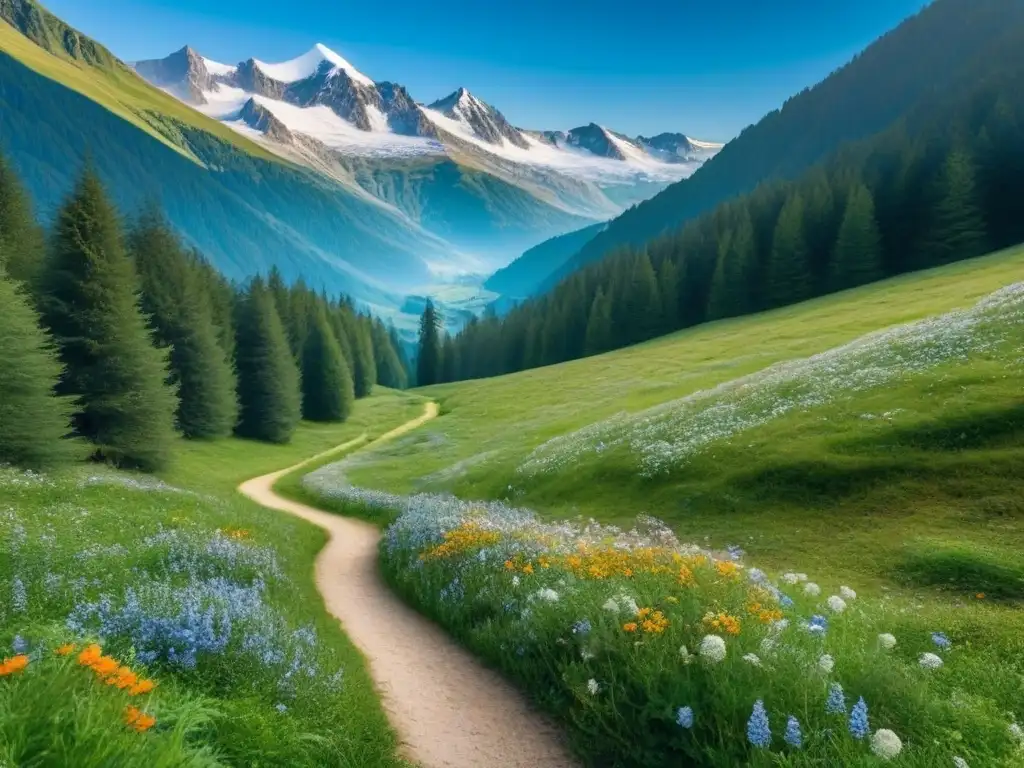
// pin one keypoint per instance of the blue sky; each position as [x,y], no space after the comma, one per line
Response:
[707,69]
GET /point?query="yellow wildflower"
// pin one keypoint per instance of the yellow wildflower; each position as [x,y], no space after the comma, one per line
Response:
[629,626]
[65,650]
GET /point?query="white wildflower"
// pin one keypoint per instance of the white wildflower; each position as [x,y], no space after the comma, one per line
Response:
[611,605]
[812,589]
[801,577]
[768,646]
[586,655]
[930,661]
[685,654]
[629,604]
[593,687]
[778,627]
[790,578]
[887,641]
[836,604]
[1016,733]
[886,744]
[515,581]
[959,762]
[826,663]
[547,594]
[752,658]
[712,649]
[847,594]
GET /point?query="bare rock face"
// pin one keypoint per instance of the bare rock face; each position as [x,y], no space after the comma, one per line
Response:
[262,119]
[183,72]
[595,140]
[675,146]
[485,121]
[249,77]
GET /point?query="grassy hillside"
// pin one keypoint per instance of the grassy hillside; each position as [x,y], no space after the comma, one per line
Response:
[270,680]
[913,484]
[869,440]
[38,43]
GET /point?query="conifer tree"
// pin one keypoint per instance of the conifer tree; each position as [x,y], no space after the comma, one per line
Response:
[390,371]
[269,394]
[365,373]
[428,362]
[182,320]
[644,303]
[956,227]
[33,421]
[668,284]
[91,306]
[327,391]
[220,295]
[22,249]
[599,324]
[789,275]
[449,362]
[858,252]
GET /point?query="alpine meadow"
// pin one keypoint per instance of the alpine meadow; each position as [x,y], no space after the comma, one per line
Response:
[348,423]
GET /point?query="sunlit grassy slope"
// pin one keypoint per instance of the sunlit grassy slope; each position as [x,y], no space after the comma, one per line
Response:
[126,95]
[91,534]
[829,487]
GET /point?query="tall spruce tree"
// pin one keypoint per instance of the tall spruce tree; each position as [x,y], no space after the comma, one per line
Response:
[956,226]
[599,325]
[327,391]
[365,373]
[91,306]
[858,253]
[33,421]
[390,370]
[182,320]
[428,362]
[269,394]
[22,246]
[220,295]
[789,272]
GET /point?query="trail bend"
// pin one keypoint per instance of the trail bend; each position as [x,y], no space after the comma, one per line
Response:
[448,709]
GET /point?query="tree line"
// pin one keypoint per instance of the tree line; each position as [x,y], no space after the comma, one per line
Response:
[944,183]
[115,340]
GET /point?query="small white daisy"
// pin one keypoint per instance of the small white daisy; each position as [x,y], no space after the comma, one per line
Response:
[593,686]
[712,649]
[887,641]
[812,589]
[847,594]
[930,661]
[826,663]
[836,604]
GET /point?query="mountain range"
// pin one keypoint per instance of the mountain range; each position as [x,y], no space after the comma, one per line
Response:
[311,166]
[322,112]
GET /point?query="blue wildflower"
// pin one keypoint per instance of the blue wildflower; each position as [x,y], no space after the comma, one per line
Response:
[859,720]
[19,644]
[759,733]
[734,551]
[281,707]
[817,625]
[941,640]
[793,735]
[581,627]
[785,601]
[836,702]
[684,717]
[19,597]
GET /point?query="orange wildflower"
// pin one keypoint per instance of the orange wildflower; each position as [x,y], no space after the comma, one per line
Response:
[13,664]
[980,595]
[528,568]
[509,565]
[90,655]
[629,626]
[723,622]
[65,650]
[123,678]
[140,721]
[727,568]
[141,687]
[105,666]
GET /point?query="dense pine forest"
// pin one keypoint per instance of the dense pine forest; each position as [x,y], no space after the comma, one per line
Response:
[118,338]
[942,183]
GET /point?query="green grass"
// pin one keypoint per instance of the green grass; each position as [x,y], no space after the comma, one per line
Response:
[71,538]
[126,95]
[909,491]
[803,480]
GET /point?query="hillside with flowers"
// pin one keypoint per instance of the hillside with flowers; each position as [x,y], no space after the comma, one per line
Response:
[825,567]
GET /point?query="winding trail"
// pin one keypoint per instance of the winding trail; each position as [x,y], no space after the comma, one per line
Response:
[448,709]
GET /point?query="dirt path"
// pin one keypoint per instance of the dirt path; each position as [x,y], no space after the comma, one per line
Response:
[449,710]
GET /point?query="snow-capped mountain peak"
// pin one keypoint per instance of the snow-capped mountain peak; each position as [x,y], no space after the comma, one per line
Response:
[478,117]
[309,64]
